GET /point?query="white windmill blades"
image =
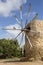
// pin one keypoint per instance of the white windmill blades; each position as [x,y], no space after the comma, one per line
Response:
[22,38]
[28,13]
[35,16]
[21,12]
[29,41]
[18,35]
[17,20]
[21,16]
[8,28]
[23,30]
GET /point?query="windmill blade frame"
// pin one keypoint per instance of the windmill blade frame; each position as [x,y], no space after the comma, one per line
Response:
[10,29]
[21,16]
[17,20]
[18,35]
[21,12]
[20,23]
[21,38]
[28,13]
[35,17]
[29,41]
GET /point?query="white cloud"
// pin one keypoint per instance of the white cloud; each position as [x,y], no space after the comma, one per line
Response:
[9,5]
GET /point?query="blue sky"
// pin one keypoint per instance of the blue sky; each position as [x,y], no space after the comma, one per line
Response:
[10,7]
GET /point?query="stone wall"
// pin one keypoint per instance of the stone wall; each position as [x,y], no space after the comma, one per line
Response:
[36,37]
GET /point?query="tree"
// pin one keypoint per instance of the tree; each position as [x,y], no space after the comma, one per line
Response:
[9,48]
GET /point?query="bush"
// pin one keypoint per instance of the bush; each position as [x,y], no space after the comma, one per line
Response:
[9,48]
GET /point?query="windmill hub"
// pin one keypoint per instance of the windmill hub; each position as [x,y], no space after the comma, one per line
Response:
[25,29]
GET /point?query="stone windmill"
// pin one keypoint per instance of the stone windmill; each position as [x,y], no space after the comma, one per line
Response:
[33,32]
[36,39]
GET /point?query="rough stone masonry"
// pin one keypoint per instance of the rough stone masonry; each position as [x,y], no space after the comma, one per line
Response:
[35,35]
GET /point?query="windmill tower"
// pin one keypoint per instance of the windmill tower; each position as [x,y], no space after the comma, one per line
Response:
[36,37]
[33,32]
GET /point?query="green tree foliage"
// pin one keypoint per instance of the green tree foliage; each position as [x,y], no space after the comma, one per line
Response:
[9,48]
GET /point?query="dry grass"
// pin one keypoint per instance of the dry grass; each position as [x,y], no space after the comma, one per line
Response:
[12,62]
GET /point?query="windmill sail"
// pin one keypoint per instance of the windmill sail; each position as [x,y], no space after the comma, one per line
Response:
[21,16]
[29,41]
[21,39]
[28,13]
[35,16]
[18,35]
[17,20]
